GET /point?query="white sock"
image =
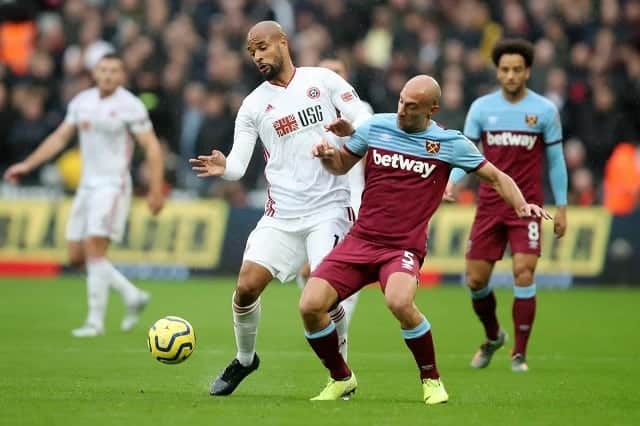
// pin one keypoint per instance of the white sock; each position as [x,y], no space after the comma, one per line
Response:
[97,291]
[122,285]
[245,326]
[349,305]
[339,317]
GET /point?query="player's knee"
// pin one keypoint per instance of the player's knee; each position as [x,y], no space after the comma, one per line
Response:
[523,275]
[77,257]
[476,281]
[250,285]
[311,305]
[247,292]
[399,305]
[314,301]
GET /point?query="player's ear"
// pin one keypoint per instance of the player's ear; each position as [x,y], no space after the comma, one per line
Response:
[435,107]
[284,42]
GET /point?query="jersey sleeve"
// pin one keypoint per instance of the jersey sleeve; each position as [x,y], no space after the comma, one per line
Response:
[244,141]
[358,142]
[472,124]
[553,127]
[466,154]
[346,99]
[557,173]
[138,118]
[71,116]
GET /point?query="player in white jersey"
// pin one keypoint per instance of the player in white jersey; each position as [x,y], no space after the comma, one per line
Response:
[308,210]
[105,116]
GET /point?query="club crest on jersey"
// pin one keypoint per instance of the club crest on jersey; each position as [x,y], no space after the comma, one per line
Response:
[433,147]
[268,108]
[531,119]
[313,93]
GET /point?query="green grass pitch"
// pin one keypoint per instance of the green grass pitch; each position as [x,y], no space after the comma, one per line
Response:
[584,359]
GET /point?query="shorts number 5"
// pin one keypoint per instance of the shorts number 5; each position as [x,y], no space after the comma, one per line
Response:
[408,261]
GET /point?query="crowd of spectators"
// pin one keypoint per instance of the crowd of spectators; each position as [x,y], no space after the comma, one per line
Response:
[187,61]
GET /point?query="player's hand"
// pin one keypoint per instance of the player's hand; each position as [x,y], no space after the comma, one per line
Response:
[16,171]
[449,195]
[532,210]
[560,222]
[340,127]
[323,150]
[209,165]
[155,201]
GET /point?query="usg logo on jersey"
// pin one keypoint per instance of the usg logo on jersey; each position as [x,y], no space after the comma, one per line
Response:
[511,139]
[301,119]
[398,161]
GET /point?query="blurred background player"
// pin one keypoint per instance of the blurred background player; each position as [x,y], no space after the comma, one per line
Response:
[517,127]
[308,210]
[105,115]
[356,184]
[409,158]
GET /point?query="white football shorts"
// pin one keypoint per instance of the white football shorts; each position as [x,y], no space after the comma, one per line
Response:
[282,246]
[99,212]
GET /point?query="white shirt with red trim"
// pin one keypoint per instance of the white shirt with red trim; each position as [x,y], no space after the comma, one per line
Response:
[289,121]
[104,127]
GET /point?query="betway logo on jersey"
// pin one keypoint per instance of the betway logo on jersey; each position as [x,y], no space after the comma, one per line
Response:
[299,120]
[398,161]
[511,139]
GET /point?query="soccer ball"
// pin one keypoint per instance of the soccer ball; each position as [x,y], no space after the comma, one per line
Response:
[171,340]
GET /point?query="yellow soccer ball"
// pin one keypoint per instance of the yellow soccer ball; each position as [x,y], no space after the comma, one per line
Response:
[171,340]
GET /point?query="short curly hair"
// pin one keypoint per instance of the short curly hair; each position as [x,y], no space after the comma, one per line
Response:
[513,46]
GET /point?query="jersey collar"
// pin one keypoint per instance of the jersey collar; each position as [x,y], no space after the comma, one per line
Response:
[288,82]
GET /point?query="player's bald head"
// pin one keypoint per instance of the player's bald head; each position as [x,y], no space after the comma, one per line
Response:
[419,100]
[265,30]
[423,88]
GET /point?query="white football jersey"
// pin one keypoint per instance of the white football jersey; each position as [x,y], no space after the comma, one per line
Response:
[104,126]
[289,121]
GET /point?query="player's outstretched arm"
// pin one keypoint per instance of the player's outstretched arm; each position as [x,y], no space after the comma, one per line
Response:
[235,165]
[337,161]
[154,159]
[52,145]
[509,191]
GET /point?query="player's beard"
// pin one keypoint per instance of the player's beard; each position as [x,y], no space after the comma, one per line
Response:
[273,70]
[517,92]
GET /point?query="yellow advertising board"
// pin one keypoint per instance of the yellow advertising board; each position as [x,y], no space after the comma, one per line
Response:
[581,252]
[187,233]
[191,233]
